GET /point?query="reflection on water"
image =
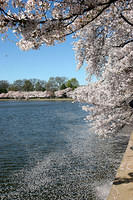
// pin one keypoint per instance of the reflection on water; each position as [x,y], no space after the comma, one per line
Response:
[48,153]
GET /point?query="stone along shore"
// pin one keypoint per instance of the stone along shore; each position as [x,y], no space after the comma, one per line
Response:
[122,188]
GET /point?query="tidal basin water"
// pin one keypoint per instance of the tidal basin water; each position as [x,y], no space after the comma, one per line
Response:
[47,152]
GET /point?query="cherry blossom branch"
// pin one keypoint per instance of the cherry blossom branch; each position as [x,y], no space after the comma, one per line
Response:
[92,7]
[87,22]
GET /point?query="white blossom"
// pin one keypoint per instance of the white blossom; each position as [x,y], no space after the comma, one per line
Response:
[25,45]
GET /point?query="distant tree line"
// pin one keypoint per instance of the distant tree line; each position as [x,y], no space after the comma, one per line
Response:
[53,84]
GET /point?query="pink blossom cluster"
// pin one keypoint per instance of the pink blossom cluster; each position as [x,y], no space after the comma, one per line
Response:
[26,95]
[35,94]
[63,93]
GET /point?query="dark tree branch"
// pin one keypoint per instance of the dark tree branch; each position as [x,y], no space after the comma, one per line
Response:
[71,21]
[123,44]
[3,11]
[126,20]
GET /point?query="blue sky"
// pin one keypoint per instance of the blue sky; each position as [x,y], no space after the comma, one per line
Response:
[47,62]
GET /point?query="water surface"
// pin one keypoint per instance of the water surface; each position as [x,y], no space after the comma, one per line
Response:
[48,153]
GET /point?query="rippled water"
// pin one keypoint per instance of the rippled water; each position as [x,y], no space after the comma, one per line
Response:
[48,153]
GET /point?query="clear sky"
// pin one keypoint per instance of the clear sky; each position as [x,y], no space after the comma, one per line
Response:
[47,62]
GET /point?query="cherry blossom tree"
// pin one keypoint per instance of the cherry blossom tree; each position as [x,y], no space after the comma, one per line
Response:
[109,98]
[104,34]
[37,22]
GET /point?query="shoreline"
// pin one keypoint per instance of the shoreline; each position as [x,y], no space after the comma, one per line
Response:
[39,99]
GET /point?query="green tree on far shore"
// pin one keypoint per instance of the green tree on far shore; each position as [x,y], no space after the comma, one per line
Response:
[28,86]
[72,83]
[4,86]
[53,84]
